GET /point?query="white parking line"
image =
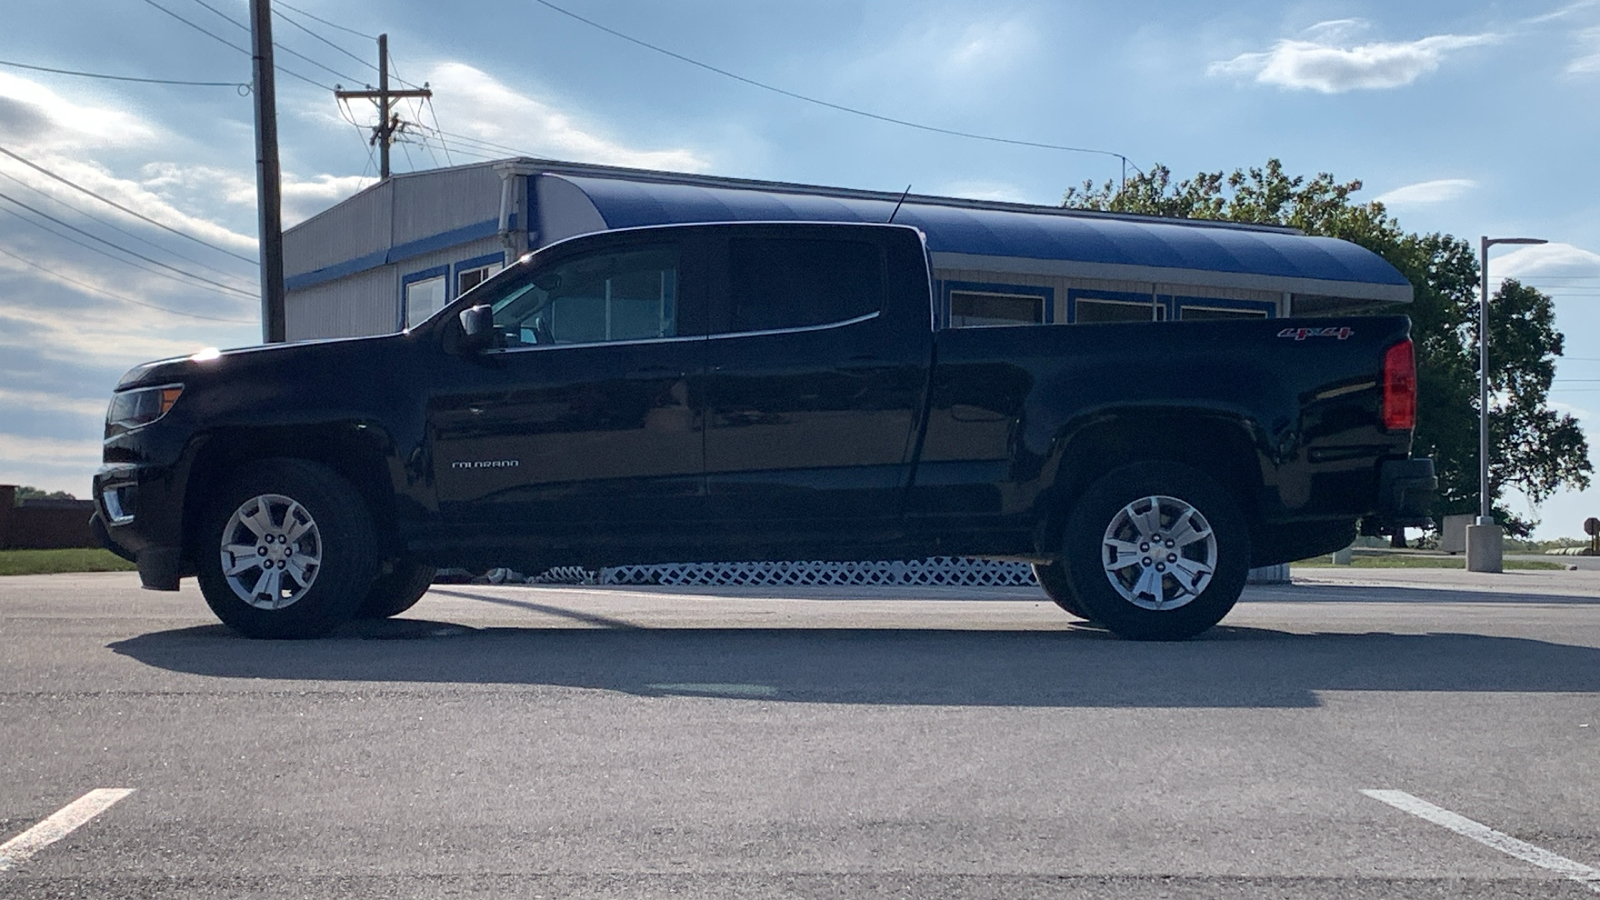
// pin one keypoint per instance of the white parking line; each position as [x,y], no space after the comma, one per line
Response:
[16,851]
[1483,834]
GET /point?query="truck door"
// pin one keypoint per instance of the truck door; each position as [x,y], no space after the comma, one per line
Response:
[816,369]
[580,429]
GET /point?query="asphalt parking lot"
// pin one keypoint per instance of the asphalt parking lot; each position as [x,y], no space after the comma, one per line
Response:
[1360,733]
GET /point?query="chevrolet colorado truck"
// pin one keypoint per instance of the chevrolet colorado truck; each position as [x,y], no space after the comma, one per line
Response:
[756,391]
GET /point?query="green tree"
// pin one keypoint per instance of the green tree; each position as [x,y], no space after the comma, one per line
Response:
[29,492]
[1534,448]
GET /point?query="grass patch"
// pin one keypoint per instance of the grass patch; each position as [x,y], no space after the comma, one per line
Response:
[53,562]
[1407,561]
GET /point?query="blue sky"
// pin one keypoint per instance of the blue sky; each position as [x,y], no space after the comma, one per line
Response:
[1465,117]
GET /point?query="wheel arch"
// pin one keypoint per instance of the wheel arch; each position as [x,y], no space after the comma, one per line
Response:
[1222,447]
[352,450]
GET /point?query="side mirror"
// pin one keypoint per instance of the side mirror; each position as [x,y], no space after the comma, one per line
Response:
[477,329]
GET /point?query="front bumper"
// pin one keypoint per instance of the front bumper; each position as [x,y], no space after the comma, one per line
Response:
[1405,491]
[139,516]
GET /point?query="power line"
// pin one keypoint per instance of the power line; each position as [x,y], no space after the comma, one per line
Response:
[115,246]
[835,106]
[370,37]
[223,40]
[115,227]
[319,37]
[105,293]
[276,44]
[435,113]
[78,187]
[278,8]
[232,84]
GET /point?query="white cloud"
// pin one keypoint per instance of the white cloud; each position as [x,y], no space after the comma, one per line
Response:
[1543,260]
[1442,190]
[130,338]
[1561,13]
[34,116]
[77,454]
[1589,62]
[959,60]
[301,198]
[983,190]
[984,46]
[493,112]
[55,402]
[1327,60]
[133,194]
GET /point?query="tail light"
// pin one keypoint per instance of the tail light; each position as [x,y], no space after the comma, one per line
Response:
[1400,387]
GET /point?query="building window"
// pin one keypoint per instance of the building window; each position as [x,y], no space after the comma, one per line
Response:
[979,308]
[1199,311]
[467,279]
[424,296]
[1101,310]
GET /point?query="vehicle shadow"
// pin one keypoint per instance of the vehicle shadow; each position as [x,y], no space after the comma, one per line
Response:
[1229,667]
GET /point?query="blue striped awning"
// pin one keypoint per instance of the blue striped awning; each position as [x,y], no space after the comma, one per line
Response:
[1040,240]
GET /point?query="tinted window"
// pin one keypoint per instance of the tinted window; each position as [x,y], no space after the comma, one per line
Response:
[791,283]
[969,308]
[1089,311]
[1190,312]
[613,295]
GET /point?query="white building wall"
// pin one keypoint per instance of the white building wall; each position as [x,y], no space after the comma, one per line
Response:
[353,306]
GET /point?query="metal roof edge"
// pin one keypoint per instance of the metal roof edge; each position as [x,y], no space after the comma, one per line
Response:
[785,187]
[1019,265]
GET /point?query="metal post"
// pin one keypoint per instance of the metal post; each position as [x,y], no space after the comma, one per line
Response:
[384,134]
[1484,517]
[268,202]
[1485,540]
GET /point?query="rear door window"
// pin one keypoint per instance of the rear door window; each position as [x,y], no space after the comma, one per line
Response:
[782,283]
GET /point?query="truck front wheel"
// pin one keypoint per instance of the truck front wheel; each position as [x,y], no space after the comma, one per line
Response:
[392,593]
[1156,551]
[286,550]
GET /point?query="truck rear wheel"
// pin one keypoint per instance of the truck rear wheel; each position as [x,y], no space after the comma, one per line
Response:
[395,592]
[1053,578]
[286,550]
[1156,551]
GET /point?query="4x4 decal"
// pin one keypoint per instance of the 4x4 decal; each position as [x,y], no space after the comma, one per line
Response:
[1342,332]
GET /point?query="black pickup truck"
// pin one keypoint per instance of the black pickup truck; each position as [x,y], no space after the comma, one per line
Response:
[761,391]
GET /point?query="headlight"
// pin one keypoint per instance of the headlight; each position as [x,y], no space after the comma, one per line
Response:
[139,407]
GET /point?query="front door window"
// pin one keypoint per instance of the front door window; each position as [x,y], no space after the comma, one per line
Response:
[625,295]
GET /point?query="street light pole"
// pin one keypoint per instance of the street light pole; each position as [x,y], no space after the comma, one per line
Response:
[1485,540]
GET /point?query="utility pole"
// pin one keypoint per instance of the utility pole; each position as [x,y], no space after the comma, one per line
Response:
[389,123]
[268,194]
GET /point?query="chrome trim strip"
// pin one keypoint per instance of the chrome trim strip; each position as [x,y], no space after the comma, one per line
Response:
[700,337]
[805,328]
[523,348]
[111,499]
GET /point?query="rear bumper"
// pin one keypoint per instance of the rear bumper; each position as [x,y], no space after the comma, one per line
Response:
[1405,491]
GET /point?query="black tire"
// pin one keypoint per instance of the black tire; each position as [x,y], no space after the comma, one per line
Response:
[316,528]
[395,592]
[1156,597]
[1053,578]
